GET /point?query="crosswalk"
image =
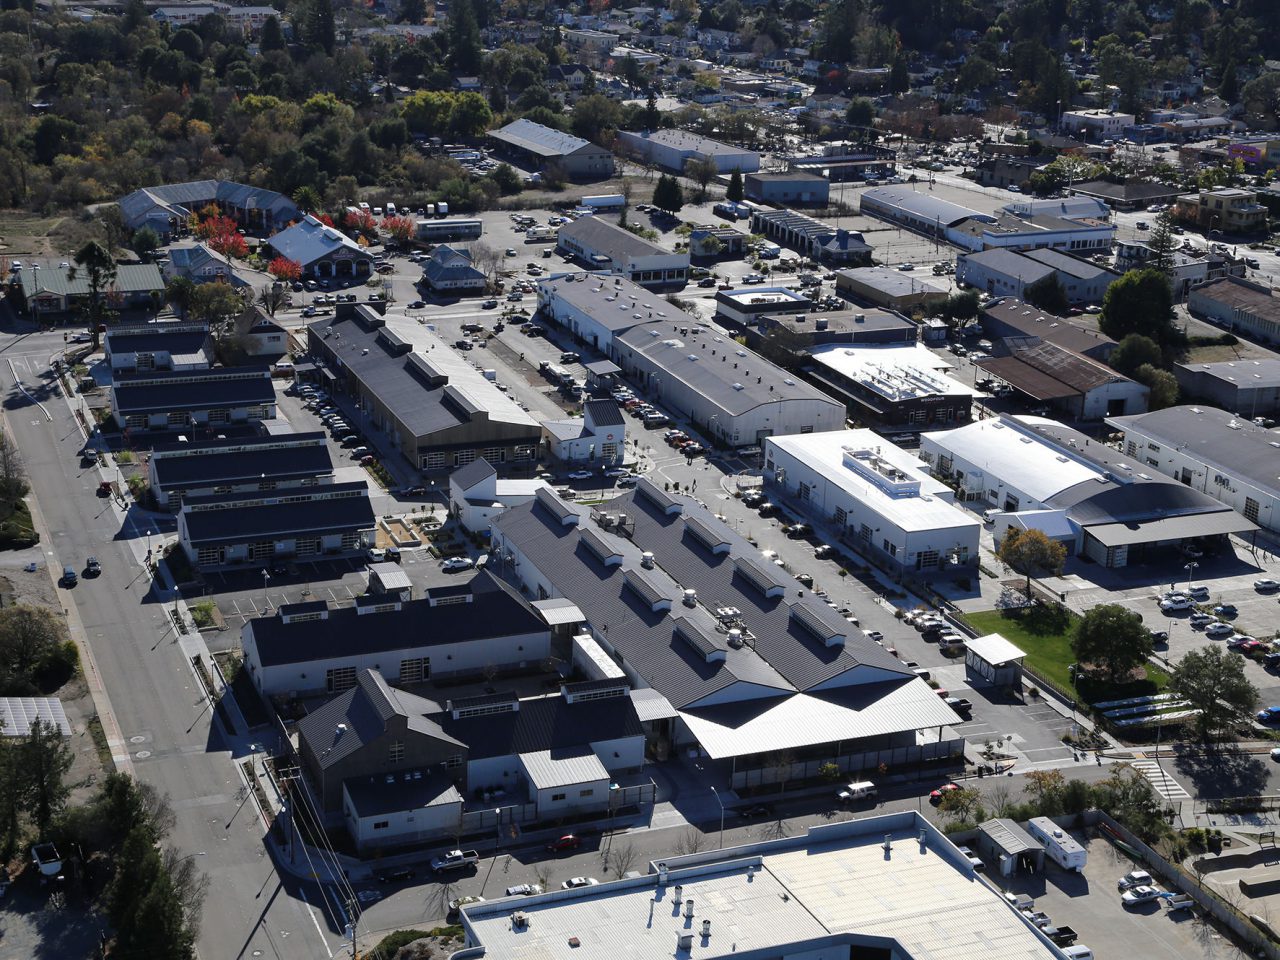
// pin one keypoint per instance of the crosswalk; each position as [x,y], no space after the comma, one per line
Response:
[1163,783]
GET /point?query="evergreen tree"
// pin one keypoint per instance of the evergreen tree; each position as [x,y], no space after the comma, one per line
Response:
[43,760]
[464,38]
[318,28]
[899,79]
[652,118]
[735,191]
[1162,244]
[272,37]
[668,195]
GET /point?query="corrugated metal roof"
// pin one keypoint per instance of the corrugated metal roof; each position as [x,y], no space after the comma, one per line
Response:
[995,649]
[1170,528]
[651,705]
[546,770]
[310,240]
[18,714]
[602,237]
[541,140]
[1009,837]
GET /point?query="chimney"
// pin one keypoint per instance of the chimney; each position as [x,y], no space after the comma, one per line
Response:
[688,909]
[888,842]
[706,929]
[679,888]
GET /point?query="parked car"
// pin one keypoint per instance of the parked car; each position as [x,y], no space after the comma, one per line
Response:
[457,563]
[1266,585]
[524,890]
[799,530]
[458,904]
[578,475]
[1176,603]
[974,860]
[396,875]
[568,842]
[92,568]
[1268,715]
[1218,629]
[574,882]
[935,796]
[1139,895]
[1135,878]
[1226,610]
[823,550]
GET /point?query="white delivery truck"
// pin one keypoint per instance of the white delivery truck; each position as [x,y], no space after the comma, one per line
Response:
[442,209]
[1059,845]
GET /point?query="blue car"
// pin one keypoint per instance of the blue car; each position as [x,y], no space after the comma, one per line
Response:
[1269,715]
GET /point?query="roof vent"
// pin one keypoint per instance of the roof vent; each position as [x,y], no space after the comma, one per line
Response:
[688,909]
[684,941]
[735,638]
[691,598]
[646,560]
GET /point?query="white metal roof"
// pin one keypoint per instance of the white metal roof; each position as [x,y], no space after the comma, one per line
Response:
[793,721]
[897,371]
[786,897]
[17,714]
[557,611]
[651,705]
[1003,448]
[546,771]
[995,649]
[824,453]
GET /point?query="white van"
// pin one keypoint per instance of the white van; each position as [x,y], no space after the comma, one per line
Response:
[989,516]
[859,790]
[391,209]
[1077,952]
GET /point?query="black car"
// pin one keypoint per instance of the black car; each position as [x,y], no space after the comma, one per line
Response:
[756,810]
[767,509]
[822,551]
[398,875]
[799,531]
[753,499]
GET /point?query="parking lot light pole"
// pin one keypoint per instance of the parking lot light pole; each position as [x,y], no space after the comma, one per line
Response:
[1191,572]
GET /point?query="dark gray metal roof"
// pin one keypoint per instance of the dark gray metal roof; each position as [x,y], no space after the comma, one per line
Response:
[214,467]
[546,723]
[604,237]
[474,472]
[243,517]
[164,391]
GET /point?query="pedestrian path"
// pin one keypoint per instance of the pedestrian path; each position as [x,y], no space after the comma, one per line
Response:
[1163,783]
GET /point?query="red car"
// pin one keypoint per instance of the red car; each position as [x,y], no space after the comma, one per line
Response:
[567,842]
[1250,645]
[937,795]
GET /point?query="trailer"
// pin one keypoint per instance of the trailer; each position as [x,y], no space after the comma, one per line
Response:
[604,201]
[1059,845]
[540,234]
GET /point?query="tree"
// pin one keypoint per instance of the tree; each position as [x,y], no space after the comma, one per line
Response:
[961,307]
[399,228]
[1134,351]
[214,302]
[465,55]
[1113,639]
[316,25]
[179,291]
[507,178]
[272,37]
[42,761]
[899,78]
[861,112]
[1030,552]
[1128,796]
[13,472]
[282,268]
[1047,294]
[1045,788]
[1162,383]
[1162,244]
[735,191]
[308,198]
[33,645]
[652,118]
[100,269]
[1141,301]
[1213,682]
[271,298]
[668,195]
[596,117]
[621,857]
[960,804]
[702,171]
[145,241]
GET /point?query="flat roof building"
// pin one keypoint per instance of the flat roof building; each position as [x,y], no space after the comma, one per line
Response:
[603,245]
[1104,505]
[805,331]
[543,147]
[598,308]
[902,386]
[734,394]
[241,465]
[890,885]
[1220,454]
[892,289]
[158,346]
[922,212]
[744,306]
[438,409]
[876,498]
[1250,388]
[1007,231]
[751,666]
[812,238]
[227,531]
[791,188]
[672,149]
[179,399]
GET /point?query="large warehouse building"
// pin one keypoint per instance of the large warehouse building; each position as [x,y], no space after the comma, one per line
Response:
[603,245]
[901,385]
[734,394]
[876,498]
[672,149]
[438,410]
[1100,503]
[542,147]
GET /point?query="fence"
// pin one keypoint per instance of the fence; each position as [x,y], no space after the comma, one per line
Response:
[1174,876]
[849,763]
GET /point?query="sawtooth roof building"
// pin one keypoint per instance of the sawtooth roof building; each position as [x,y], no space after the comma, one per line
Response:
[745,664]
[1111,507]
[540,147]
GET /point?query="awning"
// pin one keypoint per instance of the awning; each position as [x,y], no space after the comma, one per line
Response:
[600,368]
[651,705]
[1170,528]
[557,612]
[994,649]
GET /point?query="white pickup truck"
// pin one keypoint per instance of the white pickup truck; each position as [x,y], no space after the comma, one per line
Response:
[454,860]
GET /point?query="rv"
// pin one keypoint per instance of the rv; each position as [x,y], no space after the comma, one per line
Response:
[540,234]
[1059,845]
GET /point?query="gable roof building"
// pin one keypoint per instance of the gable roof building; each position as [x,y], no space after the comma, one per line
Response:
[747,661]
[322,250]
[240,465]
[47,288]
[176,399]
[1078,386]
[605,246]
[451,269]
[543,146]
[1020,324]
[168,207]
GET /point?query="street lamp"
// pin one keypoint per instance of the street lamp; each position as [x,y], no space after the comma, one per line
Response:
[1191,571]
[715,793]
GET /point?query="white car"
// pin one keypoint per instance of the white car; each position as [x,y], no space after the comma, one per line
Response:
[377,554]
[524,890]
[1176,603]
[574,882]
[1135,878]
[617,472]
[1139,895]
[1266,584]
[1275,753]
[579,475]
[457,563]
[1218,629]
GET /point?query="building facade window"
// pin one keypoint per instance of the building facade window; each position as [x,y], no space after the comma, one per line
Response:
[338,679]
[463,457]
[382,824]
[586,793]
[495,454]
[803,493]
[1251,509]
[395,753]
[557,796]
[415,670]
[841,516]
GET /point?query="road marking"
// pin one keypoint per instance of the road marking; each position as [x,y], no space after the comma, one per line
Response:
[311,913]
[1161,781]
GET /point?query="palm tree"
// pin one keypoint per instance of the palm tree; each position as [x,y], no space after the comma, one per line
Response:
[308,199]
[100,268]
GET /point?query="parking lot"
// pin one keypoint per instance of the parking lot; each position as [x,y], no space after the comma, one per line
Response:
[1090,904]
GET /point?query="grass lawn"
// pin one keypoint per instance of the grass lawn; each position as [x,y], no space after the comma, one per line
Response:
[16,527]
[1045,634]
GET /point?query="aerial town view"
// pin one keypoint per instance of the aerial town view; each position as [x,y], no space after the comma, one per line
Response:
[560,480]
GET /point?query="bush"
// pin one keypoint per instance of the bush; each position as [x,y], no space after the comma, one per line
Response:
[202,614]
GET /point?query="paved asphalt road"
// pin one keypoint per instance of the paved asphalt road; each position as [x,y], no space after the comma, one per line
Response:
[169,738]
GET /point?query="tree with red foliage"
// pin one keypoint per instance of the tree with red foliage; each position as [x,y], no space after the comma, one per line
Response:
[230,245]
[325,219]
[361,221]
[400,228]
[214,226]
[282,268]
